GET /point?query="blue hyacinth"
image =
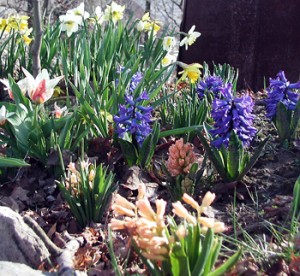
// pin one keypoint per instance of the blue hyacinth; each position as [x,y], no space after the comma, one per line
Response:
[212,84]
[134,118]
[232,114]
[281,90]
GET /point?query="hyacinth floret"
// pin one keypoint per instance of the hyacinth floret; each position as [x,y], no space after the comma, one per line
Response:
[212,84]
[134,118]
[281,90]
[232,114]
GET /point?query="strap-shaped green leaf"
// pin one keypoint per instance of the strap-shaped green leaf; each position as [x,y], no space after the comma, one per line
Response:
[253,158]
[295,121]
[234,156]
[282,122]
[227,265]
[7,162]
[205,252]
[129,152]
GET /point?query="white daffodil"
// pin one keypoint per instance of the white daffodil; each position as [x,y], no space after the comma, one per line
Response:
[21,83]
[41,88]
[99,15]
[168,43]
[70,23]
[113,12]
[167,60]
[190,37]
[3,115]
[79,11]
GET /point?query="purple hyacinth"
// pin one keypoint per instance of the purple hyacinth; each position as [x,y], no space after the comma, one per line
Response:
[232,114]
[281,90]
[212,84]
[134,118]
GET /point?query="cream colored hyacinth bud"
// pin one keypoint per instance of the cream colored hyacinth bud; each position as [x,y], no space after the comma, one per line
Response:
[92,175]
[145,210]
[207,222]
[141,191]
[181,211]
[208,199]
[189,200]
[116,224]
[181,232]
[122,201]
[219,227]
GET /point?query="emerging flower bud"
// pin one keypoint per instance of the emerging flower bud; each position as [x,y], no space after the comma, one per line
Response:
[181,211]
[189,200]
[208,199]
[181,158]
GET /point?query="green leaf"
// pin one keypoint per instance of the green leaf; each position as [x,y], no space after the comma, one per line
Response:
[234,156]
[179,261]
[282,122]
[179,131]
[12,162]
[214,156]
[148,148]
[295,122]
[253,159]
[227,265]
[129,152]
[205,252]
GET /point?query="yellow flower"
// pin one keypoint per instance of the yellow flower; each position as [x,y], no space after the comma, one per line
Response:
[3,24]
[192,71]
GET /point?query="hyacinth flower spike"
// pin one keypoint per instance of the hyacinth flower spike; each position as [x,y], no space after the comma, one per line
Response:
[41,88]
[281,90]
[283,106]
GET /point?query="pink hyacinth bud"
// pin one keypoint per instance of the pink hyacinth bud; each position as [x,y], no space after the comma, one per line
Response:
[181,158]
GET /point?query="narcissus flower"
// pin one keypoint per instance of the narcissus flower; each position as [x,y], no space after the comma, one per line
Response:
[232,114]
[99,15]
[190,37]
[281,90]
[70,23]
[80,12]
[181,158]
[212,84]
[113,12]
[147,25]
[191,71]
[168,43]
[167,60]
[41,88]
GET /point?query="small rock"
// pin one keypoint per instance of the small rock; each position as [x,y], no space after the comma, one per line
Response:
[17,269]
[24,245]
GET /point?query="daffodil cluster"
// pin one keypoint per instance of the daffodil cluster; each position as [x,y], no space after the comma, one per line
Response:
[147,25]
[19,24]
[134,118]
[232,114]
[74,18]
[169,45]
[148,228]
[281,90]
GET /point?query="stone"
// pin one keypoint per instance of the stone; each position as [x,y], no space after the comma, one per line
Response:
[17,269]
[18,242]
